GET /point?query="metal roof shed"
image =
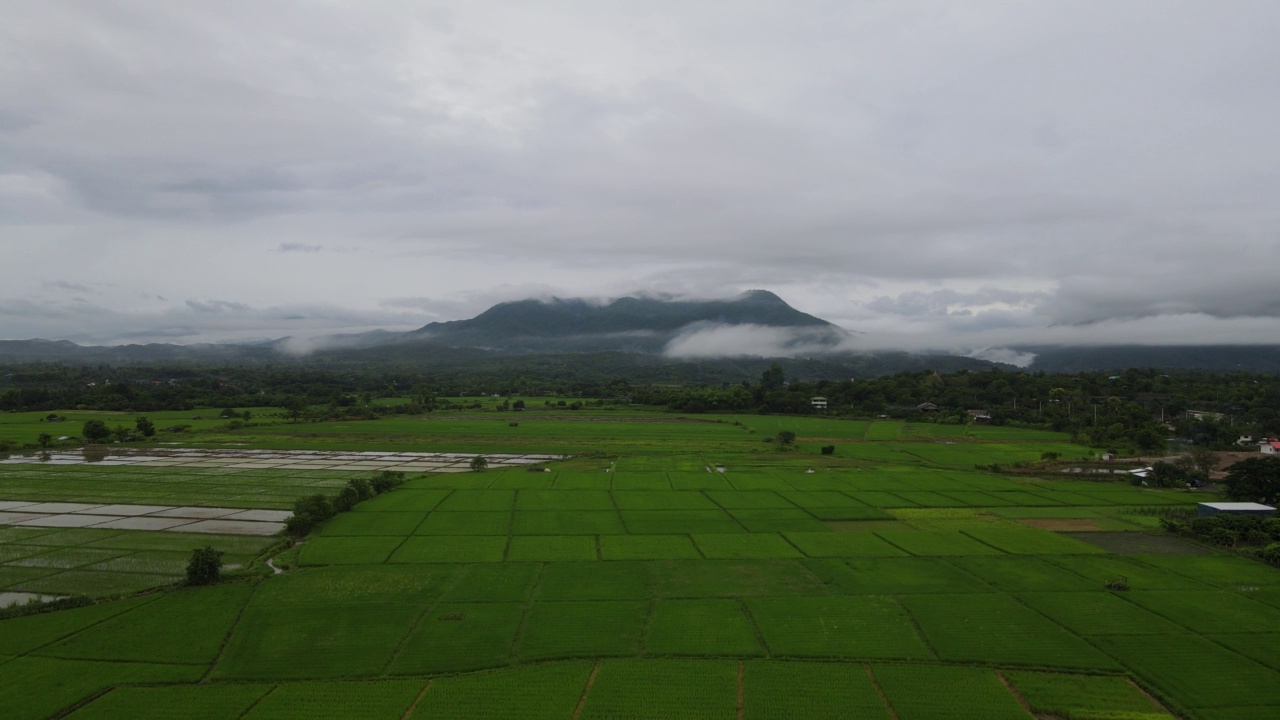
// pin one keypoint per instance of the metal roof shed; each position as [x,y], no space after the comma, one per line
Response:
[1234,508]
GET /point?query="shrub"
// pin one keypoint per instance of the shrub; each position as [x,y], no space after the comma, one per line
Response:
[346,499]
[95,431]
[205,567]
[386,480]
[828,449]
[479,463]
[1271,526]
[362,487]
[1223,536]
[1271,553]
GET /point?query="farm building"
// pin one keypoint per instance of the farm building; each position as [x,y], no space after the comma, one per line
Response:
[1234,508]
[818,403]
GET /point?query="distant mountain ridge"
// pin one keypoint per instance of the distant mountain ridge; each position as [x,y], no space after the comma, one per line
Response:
[637,332]
[627,324]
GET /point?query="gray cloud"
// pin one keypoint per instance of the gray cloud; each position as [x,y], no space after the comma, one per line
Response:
[924,174]
[298,247]
[67,286]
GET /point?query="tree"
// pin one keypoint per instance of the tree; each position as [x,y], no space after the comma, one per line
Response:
[95,431]
[479,463]
[45,439]
[293,407]
[773,378]
[205,567]
[145,427]
[1203,460]
[1254,480]
[786,438]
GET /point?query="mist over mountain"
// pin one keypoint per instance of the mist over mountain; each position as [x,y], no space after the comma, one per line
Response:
[766,327]
[631,333]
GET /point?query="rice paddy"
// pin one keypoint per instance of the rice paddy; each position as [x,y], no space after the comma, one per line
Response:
[893,581]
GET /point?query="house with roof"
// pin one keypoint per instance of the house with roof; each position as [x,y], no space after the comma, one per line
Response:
[1270,446]
[818,403]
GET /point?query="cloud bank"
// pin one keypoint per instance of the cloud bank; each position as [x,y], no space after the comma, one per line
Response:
[968,175]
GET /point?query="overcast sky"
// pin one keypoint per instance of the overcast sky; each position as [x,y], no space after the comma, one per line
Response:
[930,174]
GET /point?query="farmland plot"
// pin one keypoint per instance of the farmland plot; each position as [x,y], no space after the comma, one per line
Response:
[691,689]
[954,692]
[190,702]
[701,627]
[1085,696]
[854,627]
[995,629]
[809,690]
[545,691]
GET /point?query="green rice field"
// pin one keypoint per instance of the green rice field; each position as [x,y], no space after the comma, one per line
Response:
[671,570]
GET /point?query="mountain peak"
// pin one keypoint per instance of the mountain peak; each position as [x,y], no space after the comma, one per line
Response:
[629,324]
[761,296]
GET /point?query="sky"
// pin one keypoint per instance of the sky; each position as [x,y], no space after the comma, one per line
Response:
[927,175]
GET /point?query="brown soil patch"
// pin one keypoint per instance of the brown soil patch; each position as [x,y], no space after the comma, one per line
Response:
[1063,524]
[1137,543]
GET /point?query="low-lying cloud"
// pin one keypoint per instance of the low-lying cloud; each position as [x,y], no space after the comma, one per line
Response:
[705,340]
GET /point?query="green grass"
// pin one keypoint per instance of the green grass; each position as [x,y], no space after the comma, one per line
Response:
[745,545]
[460,636]
[375,700]
[34,688]
[831,544]
[701,628]
[450,549]
[331,641]
[674,575]
[544,691]
[1209,611]
[952,692]
[1097,613]
[732,578]
[1022,573]
[647,547]
[165,633]
[691,689]
[809,690]
[365,584]
[1194,671]
[591,628]
[995,629]
[193,702]
[595,581]
[1031,542]
[24,634]
[1081,696]
[936,543]
[507,582]
[892,575]
[552,548]
[348,550]
[854,627]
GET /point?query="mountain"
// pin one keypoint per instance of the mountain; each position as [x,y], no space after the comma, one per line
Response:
[663,337]
[643,325]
